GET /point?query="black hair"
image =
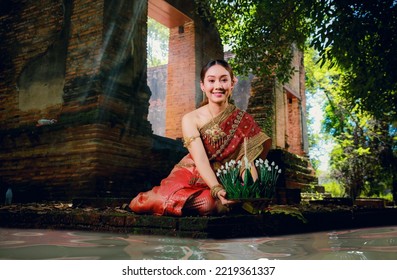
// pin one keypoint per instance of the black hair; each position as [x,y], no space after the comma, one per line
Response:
[205,68]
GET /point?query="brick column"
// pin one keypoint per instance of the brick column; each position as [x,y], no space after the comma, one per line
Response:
[182,79]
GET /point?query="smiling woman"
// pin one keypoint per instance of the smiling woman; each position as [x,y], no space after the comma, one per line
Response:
[213,134]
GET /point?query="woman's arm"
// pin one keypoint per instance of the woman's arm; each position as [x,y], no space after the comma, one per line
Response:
[199,155]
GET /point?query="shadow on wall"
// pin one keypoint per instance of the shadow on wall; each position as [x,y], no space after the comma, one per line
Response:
[42,80]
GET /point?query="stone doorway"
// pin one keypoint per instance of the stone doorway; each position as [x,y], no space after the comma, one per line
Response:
[168,80]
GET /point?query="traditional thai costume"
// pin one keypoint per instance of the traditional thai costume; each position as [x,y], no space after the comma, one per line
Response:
[183,191]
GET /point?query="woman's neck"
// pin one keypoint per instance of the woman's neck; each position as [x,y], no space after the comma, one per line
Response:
[217,108]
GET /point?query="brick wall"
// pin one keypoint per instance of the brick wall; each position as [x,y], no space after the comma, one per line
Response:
[182,79]
[100,143]
[190,47]
[27,30]
[294,126]
[261,104]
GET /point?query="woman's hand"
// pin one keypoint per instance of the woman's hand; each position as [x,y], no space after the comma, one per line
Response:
[221,195]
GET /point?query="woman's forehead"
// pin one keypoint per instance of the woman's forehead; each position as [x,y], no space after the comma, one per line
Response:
[217,71]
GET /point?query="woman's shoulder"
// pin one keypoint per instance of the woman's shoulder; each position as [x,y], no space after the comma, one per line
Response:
[192,114]
[195,116]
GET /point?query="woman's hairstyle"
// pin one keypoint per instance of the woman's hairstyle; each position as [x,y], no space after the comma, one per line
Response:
[211,63]
[205,68]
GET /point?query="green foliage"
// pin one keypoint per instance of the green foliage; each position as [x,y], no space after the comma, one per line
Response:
[286,210]
[320,81]
[357,159]
[360,36]
[237,188]
[229,175]
[260,33]
[334,188]
[362,161]
[357,36]
[157,44]
[268,175]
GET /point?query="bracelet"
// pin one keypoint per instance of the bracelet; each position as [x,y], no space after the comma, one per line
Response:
[215,189]
[188,140]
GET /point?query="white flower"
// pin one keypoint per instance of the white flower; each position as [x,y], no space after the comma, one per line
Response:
[269,169]
[276,167]
[222,167]
[273,163]
[224,172]
[260,160]
[279,171]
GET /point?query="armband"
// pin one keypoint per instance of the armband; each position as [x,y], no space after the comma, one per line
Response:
[188,140]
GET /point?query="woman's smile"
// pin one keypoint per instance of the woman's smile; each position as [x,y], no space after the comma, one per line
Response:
[218,93]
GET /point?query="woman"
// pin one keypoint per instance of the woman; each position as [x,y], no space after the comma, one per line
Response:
[213,134]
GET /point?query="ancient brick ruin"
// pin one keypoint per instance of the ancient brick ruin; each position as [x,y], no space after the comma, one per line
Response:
[83,64]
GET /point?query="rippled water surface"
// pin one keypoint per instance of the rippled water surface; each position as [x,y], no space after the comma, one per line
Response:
[358,244]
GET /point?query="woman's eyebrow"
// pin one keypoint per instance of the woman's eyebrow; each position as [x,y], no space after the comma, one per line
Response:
[213,76]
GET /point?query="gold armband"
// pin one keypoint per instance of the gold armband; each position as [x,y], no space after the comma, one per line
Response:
[215,189]
[188,140]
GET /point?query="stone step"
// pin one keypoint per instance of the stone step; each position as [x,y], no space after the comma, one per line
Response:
[284,158]
[299,177]
[275,220]
[101,203]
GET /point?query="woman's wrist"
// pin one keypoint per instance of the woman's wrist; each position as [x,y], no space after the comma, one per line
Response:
[215,190]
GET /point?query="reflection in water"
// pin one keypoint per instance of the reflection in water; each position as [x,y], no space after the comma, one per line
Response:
[359,244]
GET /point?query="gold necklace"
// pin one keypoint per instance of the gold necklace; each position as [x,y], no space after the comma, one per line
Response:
[215,134]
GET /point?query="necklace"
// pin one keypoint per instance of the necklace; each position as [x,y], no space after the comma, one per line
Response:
[215,134]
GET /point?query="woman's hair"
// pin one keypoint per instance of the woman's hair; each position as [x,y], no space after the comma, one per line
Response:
[211,63]
[205,68]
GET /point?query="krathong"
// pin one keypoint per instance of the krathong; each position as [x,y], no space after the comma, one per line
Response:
[244,186]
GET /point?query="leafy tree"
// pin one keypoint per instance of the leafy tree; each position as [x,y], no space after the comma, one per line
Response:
[253,31]
[320,81]
[362,160]
[357,158]
[358,36]
[361,37]
[157,45]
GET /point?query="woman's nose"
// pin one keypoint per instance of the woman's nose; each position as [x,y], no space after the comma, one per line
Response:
[218,84]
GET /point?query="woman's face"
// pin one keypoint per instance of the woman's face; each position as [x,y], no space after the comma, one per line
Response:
[217,84]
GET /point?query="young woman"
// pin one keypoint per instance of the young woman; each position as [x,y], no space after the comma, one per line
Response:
[213,134]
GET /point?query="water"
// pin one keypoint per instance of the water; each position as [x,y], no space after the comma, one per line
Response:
[357,244]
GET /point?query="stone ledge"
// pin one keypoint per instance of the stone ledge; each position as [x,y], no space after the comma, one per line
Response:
[279,222]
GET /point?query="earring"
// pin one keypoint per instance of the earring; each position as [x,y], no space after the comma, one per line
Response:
[230,97]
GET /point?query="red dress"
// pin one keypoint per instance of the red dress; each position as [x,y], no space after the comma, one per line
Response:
[183,191]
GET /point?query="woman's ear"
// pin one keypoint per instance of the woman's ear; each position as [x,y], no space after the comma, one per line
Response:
[234,82]
[202,87]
